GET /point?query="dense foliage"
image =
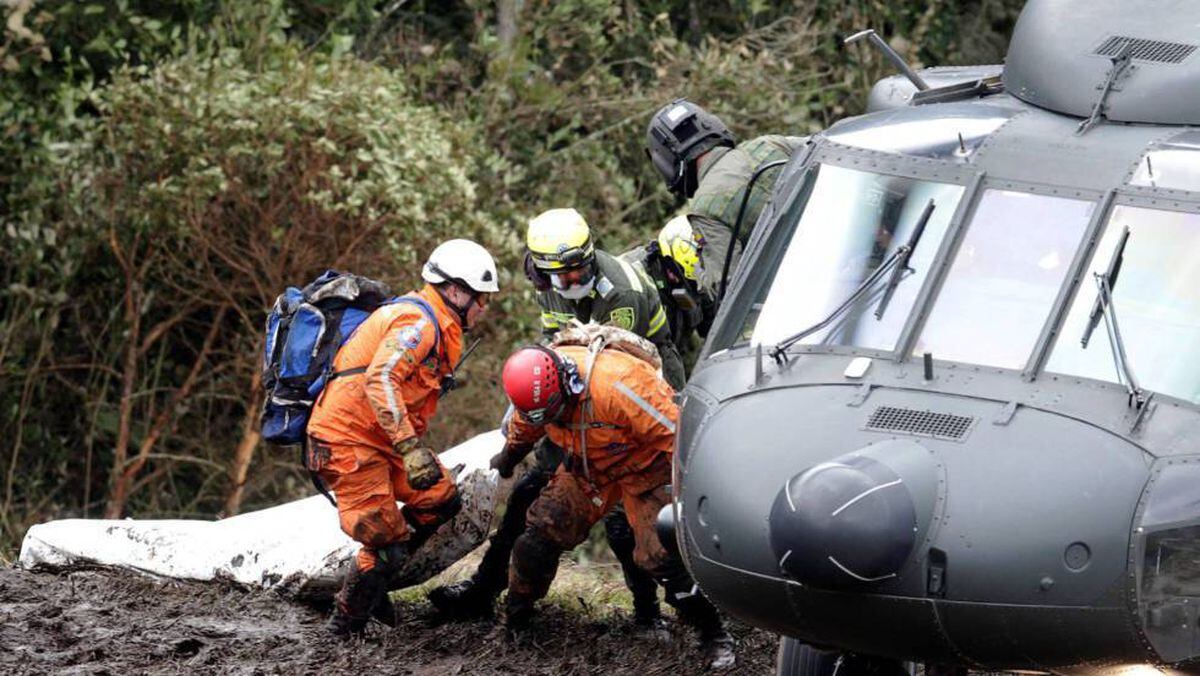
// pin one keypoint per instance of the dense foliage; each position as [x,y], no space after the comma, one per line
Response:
[167,167]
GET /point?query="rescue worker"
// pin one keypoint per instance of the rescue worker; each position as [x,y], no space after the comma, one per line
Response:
[615,417]
[699,159]
[575,282]
[365,431]
[672,262]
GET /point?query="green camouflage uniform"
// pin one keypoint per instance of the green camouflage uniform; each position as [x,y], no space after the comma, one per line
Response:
[688,326]
[623,297]
[722,175]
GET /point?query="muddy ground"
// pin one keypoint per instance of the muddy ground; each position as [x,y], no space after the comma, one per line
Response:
[102,622]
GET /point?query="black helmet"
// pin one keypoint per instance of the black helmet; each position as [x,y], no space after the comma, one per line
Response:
[680,132]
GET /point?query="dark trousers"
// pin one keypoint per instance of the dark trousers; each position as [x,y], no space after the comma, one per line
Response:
[493,570]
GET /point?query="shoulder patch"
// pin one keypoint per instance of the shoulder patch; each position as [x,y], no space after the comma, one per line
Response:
[622,317]
[410,336]
[604,287]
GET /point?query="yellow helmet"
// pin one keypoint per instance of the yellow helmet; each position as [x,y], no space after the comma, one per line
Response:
[681,244]
[559,239]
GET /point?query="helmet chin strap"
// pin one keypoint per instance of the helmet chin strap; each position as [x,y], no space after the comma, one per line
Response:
[460,311]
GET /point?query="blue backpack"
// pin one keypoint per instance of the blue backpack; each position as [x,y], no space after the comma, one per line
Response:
[305,329]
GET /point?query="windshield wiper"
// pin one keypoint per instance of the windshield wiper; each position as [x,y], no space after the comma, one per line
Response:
[1114,269]
[895,261]
[1104,307]
[905,253]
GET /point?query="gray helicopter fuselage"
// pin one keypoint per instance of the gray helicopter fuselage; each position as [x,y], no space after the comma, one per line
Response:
[1016,506]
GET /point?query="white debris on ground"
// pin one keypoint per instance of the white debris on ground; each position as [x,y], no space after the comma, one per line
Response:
[296,548]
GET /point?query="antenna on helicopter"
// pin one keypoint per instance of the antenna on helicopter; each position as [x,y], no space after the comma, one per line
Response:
[896,59]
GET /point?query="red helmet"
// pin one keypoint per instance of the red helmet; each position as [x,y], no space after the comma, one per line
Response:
[539,383]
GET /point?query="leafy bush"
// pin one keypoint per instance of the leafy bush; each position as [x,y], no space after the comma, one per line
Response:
[205,189]
[166,168]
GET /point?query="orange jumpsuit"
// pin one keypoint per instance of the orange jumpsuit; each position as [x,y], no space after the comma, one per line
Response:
[618,438]
[358,420]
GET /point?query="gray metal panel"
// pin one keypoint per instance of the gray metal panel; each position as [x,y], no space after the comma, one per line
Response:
[1052,60]
[1044,480]
[1041,148]
[909,166]
[950,131]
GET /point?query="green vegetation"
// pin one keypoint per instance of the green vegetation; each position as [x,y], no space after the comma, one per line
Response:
[167,167]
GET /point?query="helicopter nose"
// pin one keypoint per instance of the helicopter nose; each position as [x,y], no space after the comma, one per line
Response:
[843,524]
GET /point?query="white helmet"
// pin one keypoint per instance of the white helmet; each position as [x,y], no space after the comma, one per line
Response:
[463,262]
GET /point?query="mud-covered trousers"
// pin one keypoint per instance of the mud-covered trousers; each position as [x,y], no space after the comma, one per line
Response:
[565,512]
[367,483]
[493,570]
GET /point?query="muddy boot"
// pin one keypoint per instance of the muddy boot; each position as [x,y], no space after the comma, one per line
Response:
[465,599]
[475,597]
[695,609]
[518,616]
[652,630]
[384,611]
[356,602]
[718,649]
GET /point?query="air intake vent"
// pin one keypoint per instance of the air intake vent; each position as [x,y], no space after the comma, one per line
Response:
[1146,50]
[921,423]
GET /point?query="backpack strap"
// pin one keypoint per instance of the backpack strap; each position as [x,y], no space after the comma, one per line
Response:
[426,310]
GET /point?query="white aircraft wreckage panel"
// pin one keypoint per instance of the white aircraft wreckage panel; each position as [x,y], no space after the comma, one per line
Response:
[296,548]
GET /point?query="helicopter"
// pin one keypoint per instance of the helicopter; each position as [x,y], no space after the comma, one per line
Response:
[949,410]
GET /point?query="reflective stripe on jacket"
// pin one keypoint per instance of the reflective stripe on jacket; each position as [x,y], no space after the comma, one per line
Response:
[397,395]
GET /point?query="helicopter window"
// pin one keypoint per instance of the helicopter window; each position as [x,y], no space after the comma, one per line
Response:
[1170,589]
[852,223]
[1157,302]
[1005,277]
[1174,163]
[1169,572]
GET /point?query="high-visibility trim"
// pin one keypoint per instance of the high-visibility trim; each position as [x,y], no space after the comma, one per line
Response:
[389,392]
[657,322]
[386,375]
[630,274]
[645,406]
[549,320]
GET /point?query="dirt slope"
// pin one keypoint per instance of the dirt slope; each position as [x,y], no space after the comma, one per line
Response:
[98,622]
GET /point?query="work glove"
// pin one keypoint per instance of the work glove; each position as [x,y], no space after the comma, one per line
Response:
[509,457]
[420,464]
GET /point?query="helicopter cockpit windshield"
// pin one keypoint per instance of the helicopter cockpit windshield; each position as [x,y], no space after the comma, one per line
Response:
[1158,294]
[852,223]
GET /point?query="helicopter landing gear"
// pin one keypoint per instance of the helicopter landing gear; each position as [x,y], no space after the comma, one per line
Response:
[800,659]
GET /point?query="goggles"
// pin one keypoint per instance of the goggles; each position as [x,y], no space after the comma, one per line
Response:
[566,258]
